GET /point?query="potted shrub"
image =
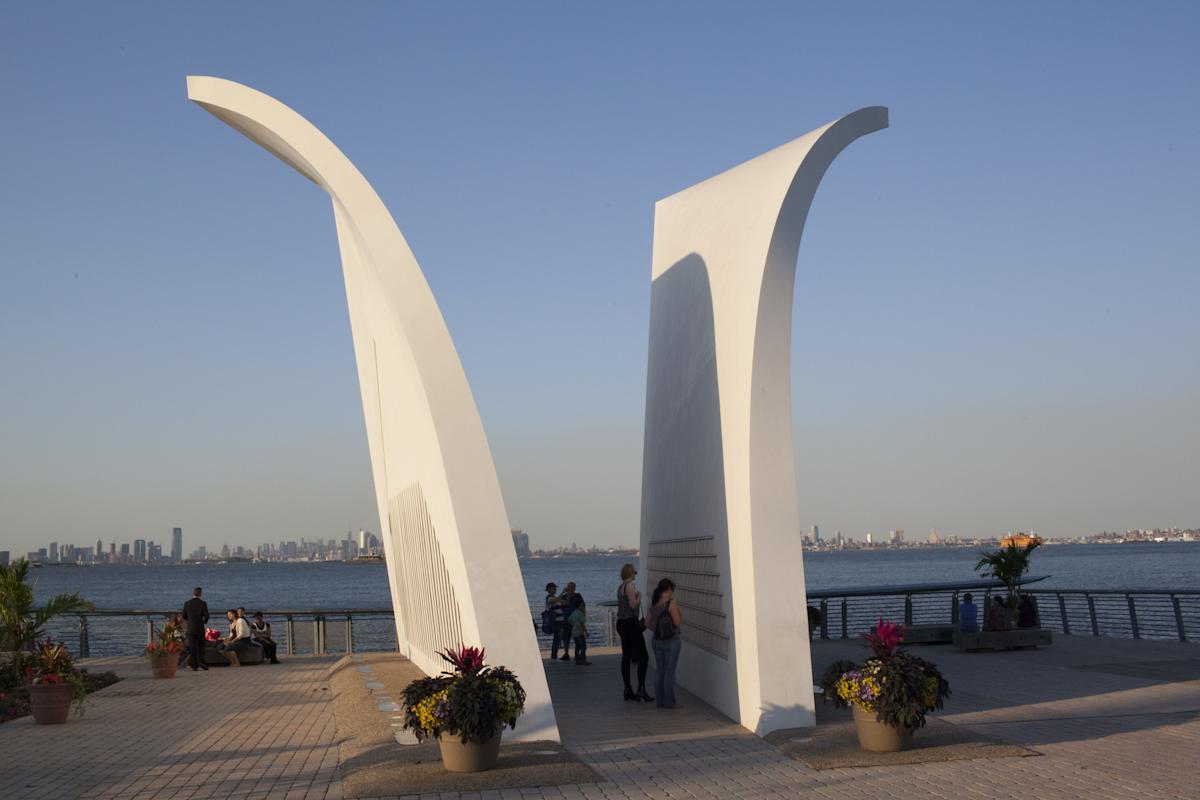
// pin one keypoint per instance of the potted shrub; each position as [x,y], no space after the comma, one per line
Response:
[1008,565]
[164,651]
[890,693]
[465,709]
[54,684]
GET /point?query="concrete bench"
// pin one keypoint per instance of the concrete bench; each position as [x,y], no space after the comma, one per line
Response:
[1003,640]
[215,658]
[924,634]
[928,634]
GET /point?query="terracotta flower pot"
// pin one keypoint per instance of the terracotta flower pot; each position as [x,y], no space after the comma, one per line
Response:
[459,756]
[879,737]
[164,666]
[51,702]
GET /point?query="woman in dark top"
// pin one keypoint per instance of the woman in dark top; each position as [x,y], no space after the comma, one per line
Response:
[629,628]
[664,621]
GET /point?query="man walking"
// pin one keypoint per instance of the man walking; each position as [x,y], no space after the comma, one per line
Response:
[195,615]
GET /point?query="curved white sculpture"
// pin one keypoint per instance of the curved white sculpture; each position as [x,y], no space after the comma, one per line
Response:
[719,512]
[451,564]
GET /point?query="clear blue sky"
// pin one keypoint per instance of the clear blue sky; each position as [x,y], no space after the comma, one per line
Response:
[996,306]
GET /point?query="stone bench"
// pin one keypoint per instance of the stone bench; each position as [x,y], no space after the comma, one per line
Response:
[215,658]
[928,634]
[924,634]
[1003,640]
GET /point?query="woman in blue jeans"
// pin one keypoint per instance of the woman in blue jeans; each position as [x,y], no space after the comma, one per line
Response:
[664,621]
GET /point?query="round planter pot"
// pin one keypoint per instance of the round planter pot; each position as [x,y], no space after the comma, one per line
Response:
[877,736]
[51,703]
[460,756]
[164,666]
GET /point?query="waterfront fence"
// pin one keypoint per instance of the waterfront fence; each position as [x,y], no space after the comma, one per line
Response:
[1122,613]
[847,613]
[125,631]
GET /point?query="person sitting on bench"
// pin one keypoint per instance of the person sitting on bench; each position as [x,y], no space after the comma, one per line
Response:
[998,618]
[968,615]
[239,640]
[1027,616]
[261,629]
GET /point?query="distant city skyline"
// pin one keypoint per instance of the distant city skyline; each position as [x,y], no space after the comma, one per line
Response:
[366,544]
[994,322]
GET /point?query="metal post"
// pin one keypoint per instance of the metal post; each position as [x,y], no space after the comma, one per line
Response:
[908,609]
[1062,611]
[845,626]
[149,630]
[1133,617]
[1179,619]
[84,650]
[608,626]
[825,619]
[291,635]
[316,634]
[349,634]
[322,628]
[954,608]
[1092,613]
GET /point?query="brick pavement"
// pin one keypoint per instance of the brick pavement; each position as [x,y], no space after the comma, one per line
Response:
[254,732]
[1112,719]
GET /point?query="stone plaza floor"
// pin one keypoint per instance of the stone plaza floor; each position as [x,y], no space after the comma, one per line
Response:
[1108,719]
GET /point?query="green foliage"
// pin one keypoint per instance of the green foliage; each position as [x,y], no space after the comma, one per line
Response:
[22,623]
[910,687]
[898,686]
[1007,565]
[14,692]
[52,663]
[473,702]
[95,681]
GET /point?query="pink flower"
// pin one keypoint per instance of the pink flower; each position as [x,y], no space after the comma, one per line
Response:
[468,660]
[886,637]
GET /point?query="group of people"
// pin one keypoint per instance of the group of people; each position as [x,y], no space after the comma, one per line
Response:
[565,620]
[998,616]
[192,627]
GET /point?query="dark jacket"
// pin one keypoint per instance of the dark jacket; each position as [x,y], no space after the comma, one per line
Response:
[195,613]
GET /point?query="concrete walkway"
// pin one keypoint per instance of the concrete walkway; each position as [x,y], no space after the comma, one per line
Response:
[1111,719]
[254,732]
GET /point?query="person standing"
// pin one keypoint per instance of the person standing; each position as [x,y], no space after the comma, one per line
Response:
[568,605]
[664,621]
[195,615]
[629,628]
[554,606]
[578,621]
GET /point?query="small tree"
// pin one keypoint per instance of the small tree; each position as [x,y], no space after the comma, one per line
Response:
[1007,565]
[22,623]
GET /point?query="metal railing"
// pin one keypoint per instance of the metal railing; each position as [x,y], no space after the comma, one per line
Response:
[121,631]
[845,613]
[1122,613]
[125,631]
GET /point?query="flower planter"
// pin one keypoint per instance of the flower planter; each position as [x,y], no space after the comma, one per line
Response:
[879,737]
[164,666]
[460,756]
[51,703]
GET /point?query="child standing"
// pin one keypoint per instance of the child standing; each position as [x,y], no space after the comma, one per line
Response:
[578,623]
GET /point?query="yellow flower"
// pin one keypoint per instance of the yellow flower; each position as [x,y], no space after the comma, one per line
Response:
[425,711]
